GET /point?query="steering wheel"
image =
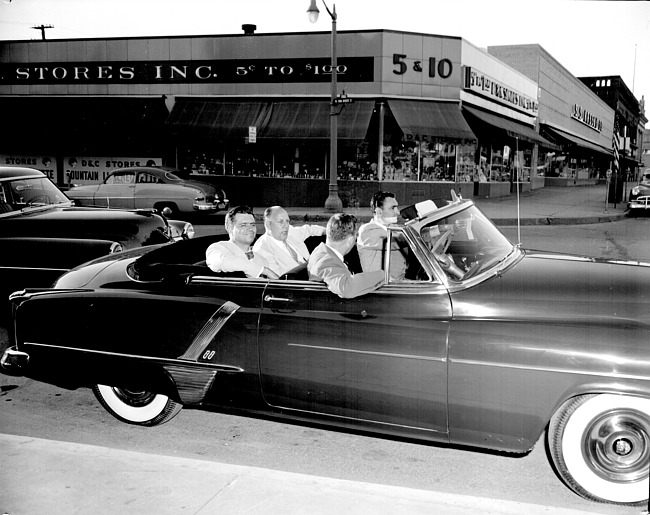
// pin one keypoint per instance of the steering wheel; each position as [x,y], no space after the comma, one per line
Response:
[444,241]
[445,260]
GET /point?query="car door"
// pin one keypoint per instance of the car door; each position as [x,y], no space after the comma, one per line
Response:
[149,190]
[117,191]
[381,357]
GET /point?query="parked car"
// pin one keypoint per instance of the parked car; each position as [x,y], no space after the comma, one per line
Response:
[42,234]
[639,200]
[151,187]
[484,344]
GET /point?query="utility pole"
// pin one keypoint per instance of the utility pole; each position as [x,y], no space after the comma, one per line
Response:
[42,29]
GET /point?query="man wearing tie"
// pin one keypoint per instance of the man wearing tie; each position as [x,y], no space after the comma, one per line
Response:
[236,254]
[283,245]
[326,262]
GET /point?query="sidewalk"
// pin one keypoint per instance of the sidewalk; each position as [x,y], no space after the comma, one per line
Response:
[50,477]
[545,206]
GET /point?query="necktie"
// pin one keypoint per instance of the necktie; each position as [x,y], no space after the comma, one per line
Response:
[250,254]
[292,252]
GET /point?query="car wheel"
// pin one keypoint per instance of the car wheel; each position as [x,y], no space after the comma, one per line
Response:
[600,446]
[136,406]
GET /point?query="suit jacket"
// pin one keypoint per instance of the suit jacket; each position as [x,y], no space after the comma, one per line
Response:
[325,265]
[278,258]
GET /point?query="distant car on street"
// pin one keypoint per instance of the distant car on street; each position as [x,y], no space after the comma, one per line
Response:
[151,187]
[639,200]
[43,235]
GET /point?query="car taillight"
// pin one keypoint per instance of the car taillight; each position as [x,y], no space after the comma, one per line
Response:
[188,231]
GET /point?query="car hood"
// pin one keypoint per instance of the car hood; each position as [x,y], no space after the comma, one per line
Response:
[132,228]
[557,286]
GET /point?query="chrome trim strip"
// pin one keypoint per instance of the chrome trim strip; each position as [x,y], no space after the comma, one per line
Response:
[384,354]
[548,369]
[209,331]
[33,268]
[343,417]
[222,368]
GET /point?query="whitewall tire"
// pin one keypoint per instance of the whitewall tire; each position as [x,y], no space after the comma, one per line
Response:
[136,406]
[600,446]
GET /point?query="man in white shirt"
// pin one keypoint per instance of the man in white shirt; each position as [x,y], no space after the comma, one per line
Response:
[283,245]
[371,242]
[236,254]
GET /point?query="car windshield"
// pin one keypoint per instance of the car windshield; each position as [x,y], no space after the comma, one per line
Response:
[464,243]
[31,192]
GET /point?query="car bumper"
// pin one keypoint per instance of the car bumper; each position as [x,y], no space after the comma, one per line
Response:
[211,208]
[13,361]
[640,203]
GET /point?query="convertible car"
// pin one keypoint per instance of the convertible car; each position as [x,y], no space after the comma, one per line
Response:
[483,344]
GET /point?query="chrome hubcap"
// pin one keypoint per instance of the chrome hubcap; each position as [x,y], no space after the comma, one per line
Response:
[617,445]
[135,398]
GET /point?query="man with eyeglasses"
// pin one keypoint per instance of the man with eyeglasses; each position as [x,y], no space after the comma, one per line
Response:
[236,254]
[283,245]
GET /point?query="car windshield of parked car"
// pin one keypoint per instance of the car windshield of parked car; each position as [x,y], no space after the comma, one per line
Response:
[465,243]
[32,192]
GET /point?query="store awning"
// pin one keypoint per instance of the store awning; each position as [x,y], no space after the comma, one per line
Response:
[433,119]
[84,122]
[512,128]
[311,119]
[219,118]
[568,139]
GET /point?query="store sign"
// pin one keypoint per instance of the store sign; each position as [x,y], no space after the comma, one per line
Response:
[93,170]
[349,69]
[480,83]
[45,164]
[584,116]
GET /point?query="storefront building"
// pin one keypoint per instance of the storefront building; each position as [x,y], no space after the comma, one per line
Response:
[628,122]
[423,113]
[571,116]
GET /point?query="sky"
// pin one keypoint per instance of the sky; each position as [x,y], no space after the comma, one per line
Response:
[587,37]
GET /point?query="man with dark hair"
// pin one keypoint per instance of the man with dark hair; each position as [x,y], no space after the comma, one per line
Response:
[236,254]
[326,261]
[371,242]
[283,245]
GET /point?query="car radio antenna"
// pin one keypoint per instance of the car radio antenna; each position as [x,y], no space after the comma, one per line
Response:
[518,177]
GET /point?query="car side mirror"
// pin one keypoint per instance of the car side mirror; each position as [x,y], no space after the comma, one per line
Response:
[167,212]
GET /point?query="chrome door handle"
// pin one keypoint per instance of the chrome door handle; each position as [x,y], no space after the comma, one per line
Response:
[271,298]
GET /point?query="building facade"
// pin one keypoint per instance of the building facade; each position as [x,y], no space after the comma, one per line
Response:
[420,114]
[570,114]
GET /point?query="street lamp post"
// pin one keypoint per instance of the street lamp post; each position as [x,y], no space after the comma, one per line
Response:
[333,202]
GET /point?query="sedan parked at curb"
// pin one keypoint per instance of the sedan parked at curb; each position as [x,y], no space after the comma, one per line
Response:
[151,187]
[482,344]
[639,200]
[42,233]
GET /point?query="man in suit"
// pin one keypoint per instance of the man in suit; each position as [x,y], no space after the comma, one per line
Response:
[236,254]
[283,245]
[373,236]
[326,261]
